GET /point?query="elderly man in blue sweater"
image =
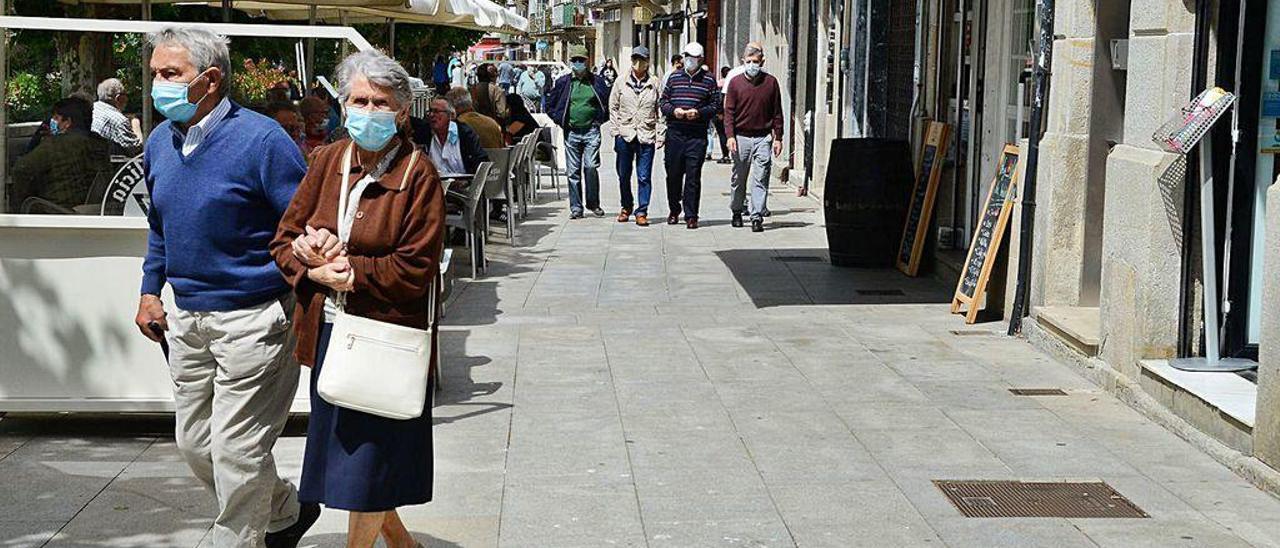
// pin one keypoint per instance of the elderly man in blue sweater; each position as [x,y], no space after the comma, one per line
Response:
[220,177]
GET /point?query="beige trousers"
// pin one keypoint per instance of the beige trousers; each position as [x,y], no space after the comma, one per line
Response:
[234,378]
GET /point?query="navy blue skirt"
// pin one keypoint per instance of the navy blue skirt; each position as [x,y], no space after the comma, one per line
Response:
[361,462]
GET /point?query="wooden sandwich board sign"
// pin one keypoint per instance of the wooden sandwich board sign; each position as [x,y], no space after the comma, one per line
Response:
[995,213]
[920,210]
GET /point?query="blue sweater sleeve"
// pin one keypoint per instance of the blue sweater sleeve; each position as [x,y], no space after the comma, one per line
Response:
[153,266]
[281,169]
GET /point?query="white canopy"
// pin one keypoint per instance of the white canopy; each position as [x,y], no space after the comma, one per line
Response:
[303,3]
[473,14]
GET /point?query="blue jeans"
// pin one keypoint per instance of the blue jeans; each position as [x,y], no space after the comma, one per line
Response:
[582,158]
[641,155]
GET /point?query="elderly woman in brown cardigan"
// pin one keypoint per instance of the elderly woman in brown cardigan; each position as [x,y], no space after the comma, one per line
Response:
[365,464]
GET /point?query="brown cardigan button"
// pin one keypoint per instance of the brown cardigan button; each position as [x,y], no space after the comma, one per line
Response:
[359,214]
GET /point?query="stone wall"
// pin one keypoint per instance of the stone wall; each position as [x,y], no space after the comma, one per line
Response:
[1141,239]
[1266,429]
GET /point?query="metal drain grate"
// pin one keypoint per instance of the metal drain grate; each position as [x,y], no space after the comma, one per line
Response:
[1037,392]
[880,292]
[1016,499]
[798,259]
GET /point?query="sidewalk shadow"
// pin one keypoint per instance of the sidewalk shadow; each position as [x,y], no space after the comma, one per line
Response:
[804,276]
[476,304]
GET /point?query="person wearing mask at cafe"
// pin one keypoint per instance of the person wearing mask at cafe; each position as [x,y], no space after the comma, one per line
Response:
[753,121]
[315,118]
[57,174]
[488,130]
[220,177]
[362,239]
[455,148]
[639,129]
[579,104]
[689,102]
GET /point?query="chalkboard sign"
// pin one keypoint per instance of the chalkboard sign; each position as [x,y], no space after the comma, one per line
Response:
[920,209]
[994,219]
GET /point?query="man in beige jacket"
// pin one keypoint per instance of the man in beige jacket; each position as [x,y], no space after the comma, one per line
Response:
[640,129]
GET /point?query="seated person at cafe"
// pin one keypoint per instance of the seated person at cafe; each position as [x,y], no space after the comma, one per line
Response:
[454,147]
[315,117]
[486,128]
[63,168]
[110,122]
[285,114]
[522,121]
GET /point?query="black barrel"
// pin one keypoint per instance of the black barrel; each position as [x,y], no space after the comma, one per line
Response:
[865,200]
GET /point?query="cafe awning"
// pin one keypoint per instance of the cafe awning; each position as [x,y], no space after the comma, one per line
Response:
[480,15]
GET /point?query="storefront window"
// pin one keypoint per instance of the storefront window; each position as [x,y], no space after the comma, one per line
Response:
[1268,127]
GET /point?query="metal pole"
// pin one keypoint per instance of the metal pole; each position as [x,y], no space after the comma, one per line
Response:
[1199,79]
[342,19]
[146,74]
[959,210]
[391,38]
[4,112]
[226,11]
[1044,60]
[311,44]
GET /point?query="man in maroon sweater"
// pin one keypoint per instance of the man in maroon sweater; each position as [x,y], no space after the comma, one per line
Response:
[753,123]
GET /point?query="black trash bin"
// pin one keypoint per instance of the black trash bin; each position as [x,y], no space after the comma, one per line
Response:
[865,200]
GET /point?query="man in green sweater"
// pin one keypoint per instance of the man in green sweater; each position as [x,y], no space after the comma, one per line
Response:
[579,104]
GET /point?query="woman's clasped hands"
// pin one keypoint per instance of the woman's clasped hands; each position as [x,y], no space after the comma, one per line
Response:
[325,258]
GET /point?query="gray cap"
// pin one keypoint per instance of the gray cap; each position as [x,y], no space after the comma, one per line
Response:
[640,51]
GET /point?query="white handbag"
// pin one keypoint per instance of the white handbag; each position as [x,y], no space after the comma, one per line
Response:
[374,367]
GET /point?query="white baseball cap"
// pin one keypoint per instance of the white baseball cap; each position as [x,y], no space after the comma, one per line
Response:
[693,49]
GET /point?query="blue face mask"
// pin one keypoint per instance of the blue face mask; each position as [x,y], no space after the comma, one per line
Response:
[170,98]
[752,69]
[579,67]
[53,127]
[371,129]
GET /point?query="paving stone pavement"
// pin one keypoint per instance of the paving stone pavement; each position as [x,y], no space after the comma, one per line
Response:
[611,385]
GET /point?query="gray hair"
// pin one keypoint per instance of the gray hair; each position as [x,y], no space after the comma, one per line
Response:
[379,70]
[448,105]
[109,89]
[752,50]
[460,99]
[206,48]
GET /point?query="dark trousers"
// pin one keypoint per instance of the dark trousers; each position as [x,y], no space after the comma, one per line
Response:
[686,151]
[724,139]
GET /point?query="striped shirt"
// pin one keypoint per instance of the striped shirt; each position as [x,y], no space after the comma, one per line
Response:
[111,124]
[697,91]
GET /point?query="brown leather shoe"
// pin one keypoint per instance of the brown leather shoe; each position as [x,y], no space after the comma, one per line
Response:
[673,219]
[624,215]
[642,220]
[691,223]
